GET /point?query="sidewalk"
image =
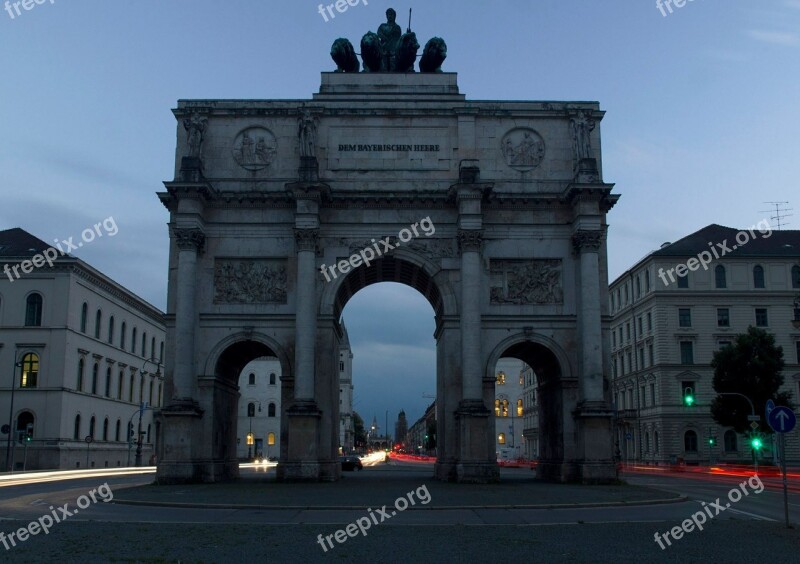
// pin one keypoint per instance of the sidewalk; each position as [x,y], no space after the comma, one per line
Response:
[377,486]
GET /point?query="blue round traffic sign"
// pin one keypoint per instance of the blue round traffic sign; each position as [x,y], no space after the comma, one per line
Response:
[782,419]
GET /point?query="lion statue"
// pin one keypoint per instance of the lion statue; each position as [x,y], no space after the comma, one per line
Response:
[407,52]
[371,52]
[344,56]
[433,55]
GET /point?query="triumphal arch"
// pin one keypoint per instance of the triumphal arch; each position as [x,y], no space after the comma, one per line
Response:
[268,194]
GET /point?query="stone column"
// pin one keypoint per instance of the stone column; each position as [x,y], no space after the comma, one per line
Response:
[306,314]
[189,243]
[469,242]
[587,246]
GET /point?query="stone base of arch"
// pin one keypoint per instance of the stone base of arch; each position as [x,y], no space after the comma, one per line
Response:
[304,461]
[595,443]
[180,423]
[476,463]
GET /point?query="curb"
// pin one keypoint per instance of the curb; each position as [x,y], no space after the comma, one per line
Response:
[181,505]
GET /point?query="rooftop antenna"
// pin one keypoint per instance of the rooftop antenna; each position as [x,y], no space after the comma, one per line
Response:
[780,212]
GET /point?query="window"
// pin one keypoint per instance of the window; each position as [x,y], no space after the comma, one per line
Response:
[33,311]
[628,331]
[133,341]
[497,408]
[152,347]
[148,432]
[638,287]
[723,344]
[646,281]
[501,438]
[158,398]
[730,441]
[761,317]
[647,441]
[655,440]
[627,294]
[111,330]
[796,277]
[251,409]
[84,315]
[122,336]
[271,439]
[108,382]
[272,379]
[641,358]
[95,370]
[520,379]
[613,338]
[30,371]
[341,366]
[117,430]
[120,384]
[652,394]
[519,408]
[649,321]
[690,441]
[797,350]
[105,429]
[650,354]
[251,379]
[758,276]
[687,352]
[684,317]
[141,388]
[150,395]
[98,319]
[723,317]
[683,281]
[687,388]
[144,343]
[91,426]
[76,433]
[642,396]
[130,390]
[505,408]
[629,359]
[613,307]
[501,378]
[79,383]
[641,331]
[720,277]
[161,351]
[271,410]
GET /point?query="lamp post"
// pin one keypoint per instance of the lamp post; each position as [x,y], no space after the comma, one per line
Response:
[17,364]
[142,407]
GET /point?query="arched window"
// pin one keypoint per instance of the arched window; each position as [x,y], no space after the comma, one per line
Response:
[130,390]
[271,439]
[720,277]
[271,410]
[76,433]
[30,371]
[730,441]
[25,422]
[91,426]
[251,409]
[133,341]
[108,382]
[111,330]
[105,429]
[505,408]
[501,438]
[161,351]
[796,277]
[84,315]
[153,347]
[519,407]
[150,396]
[272,379]
[655,440]
[117,430]
[95,371]
[251,379]
[758,276]
[690,441]
[33,311]
[647,441]
[122,336]
[120,384]
[79,385]
[497,408]
[144,342]
[158,399]
[98,319]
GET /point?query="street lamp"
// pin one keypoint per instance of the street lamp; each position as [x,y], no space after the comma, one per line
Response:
[142,407]
[9,463]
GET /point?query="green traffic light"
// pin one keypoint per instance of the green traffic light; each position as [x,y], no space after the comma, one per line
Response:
[711,442]
[688,400]
[756,443]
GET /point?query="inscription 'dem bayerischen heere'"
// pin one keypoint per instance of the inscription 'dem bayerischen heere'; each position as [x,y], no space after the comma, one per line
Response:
[389,148]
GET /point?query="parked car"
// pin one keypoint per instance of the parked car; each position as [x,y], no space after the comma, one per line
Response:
[350,463]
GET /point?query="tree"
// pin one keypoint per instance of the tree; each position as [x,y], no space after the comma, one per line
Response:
[751,366]
[359,434]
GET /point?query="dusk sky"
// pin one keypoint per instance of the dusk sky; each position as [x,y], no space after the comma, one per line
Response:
[701,121]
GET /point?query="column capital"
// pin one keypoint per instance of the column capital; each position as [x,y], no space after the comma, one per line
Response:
[470,240]
[190,238]
[587,241]
[306,239]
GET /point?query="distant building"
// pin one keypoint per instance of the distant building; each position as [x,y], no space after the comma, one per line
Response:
[346,423]
[86,353]
[421,436]
[530,414]
[259,422]
[401,429]
[666,327]
[509,408]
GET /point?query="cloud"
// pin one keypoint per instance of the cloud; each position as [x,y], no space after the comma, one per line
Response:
[784,38]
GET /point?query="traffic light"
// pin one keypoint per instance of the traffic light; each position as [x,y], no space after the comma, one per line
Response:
[131,434]
[712,441]
[688,397]
[29,433]
[756,442]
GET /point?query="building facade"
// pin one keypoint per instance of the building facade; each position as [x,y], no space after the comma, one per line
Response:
[259,424]
[530,414]
[86,354]
[346,422]
[669,316]
[400,430]
[509,409]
